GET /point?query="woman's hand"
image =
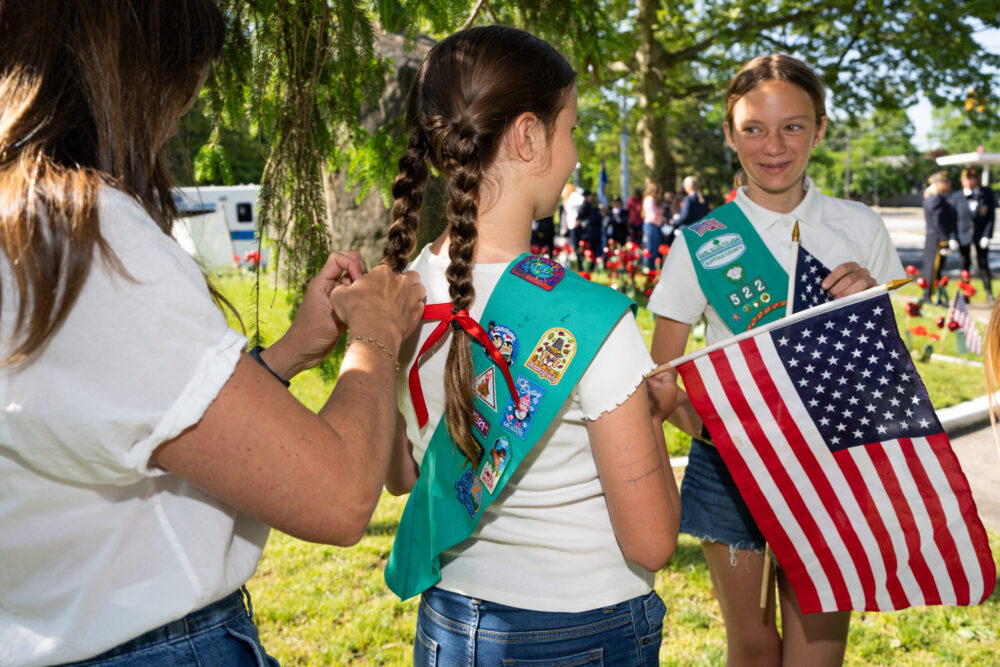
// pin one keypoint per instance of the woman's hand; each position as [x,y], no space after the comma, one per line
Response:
[316,328]
[848,278]
[381,304]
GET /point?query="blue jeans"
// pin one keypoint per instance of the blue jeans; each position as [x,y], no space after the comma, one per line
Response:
[454,630]
[652,239]
[222,634]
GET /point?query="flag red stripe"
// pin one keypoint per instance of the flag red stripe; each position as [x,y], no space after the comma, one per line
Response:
[942,538]
[967,507]
[859,487]
[808,596]
[806,457]
[783,550]
[909,527]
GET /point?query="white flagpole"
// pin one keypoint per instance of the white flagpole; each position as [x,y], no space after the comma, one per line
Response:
[792,270]
[869,293]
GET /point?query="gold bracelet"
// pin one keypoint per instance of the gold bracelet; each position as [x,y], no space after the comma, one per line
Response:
[377,344]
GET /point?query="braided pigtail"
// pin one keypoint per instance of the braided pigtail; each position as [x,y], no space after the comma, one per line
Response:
[463,193]
[408,195]
[467,92]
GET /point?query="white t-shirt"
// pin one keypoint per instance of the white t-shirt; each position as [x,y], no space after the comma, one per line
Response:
[571,209]
[834,231]
[98,545]
[546,543]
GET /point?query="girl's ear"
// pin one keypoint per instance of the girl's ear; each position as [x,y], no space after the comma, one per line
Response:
[820,131]
[527,136]
[729,137]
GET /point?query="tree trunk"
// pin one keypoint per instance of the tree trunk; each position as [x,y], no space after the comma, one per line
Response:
[362,226]
[652,99]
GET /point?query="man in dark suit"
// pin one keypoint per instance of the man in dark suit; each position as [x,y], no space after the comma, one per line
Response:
[983,203]
[940,219]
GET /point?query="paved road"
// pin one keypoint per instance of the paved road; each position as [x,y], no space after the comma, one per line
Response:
[968,425]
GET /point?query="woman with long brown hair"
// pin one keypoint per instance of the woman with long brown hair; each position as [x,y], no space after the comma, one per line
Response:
[143,452]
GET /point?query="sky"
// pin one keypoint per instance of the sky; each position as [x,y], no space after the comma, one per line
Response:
[920,115]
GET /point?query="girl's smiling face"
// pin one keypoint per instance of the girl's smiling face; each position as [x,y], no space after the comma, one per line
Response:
[773,130]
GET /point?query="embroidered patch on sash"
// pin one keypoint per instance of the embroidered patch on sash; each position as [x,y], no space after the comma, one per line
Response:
[748,293]
[495,464]
[470,492]
[539,271]
[504,340]
[485,387]
[517,418]
[721,251]
[735,273]
[479,421]
[706,225]
[552,355]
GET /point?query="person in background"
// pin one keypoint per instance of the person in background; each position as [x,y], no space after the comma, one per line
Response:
[694,207]
[963,225]
[940,233]
[616,226]
[670,204]
[981,201]
[554,504]
[543,235]
[143,451]
[591,221]
[634,208]
[654,224]
[572,204]
[739,181]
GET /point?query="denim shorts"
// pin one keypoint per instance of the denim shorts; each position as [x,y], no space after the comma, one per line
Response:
[222,634]
[712,508]
[454,630]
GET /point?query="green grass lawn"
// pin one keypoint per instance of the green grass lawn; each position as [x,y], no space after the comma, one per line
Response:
[321,605]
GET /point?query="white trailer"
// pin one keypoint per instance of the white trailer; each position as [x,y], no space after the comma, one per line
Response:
[236,205]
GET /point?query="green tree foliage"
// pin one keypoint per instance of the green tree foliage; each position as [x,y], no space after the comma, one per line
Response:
[223,156]
[300,73]
[883,159]
[299,70]
[873,54]
[956,132]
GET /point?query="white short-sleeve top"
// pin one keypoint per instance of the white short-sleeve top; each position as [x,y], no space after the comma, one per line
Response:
[546,543]
[98,545]
[833,230]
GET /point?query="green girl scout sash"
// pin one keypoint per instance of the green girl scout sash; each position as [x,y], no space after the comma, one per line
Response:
[738,274]
[546,325]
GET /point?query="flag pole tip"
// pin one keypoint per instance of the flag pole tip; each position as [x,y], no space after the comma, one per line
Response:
[795,232]
[896,284]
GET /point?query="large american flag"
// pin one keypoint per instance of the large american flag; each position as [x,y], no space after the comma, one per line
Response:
[960,314]
[834,445]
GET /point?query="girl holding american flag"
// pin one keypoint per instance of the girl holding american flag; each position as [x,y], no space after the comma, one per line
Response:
[732,268]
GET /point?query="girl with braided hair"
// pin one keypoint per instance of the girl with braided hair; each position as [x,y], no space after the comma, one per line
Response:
[541,496]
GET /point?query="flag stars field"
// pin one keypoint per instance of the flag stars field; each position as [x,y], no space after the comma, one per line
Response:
[881,366]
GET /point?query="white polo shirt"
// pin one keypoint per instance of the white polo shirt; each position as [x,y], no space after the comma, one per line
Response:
[832,230]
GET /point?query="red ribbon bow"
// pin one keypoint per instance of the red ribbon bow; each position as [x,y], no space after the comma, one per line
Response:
[443,312]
